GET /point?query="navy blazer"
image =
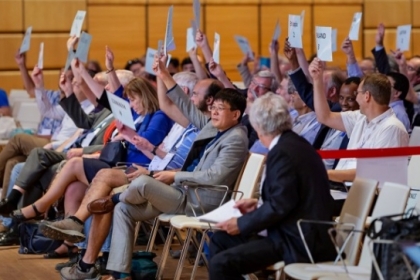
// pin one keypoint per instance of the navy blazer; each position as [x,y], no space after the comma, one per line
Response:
[295,187]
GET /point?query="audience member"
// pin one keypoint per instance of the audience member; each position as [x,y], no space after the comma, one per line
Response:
[4,105]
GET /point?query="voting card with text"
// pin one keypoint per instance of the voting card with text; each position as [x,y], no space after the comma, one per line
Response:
[83,47]
[190,39]
[76,27]
[334,40]
[403,37]
[150,59]
[216,48]
[169,44]
[355,26]
[323,43]
[295,31]
[244,45]
[26,42]
[121,110]
[41,56]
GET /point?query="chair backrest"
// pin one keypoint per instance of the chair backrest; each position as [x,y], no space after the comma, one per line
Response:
[413,174]
[355,211]
[391,200]
[415,137]
[29,115]
[17,94]
[251,175]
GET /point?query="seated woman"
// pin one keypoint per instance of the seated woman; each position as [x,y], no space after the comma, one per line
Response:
[154,126]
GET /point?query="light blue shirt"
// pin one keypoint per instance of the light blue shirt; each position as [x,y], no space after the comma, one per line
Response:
[353,70]
[307,126]
[181,151]
[400,112]
[258,148]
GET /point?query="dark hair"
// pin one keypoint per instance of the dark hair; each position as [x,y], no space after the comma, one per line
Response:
[175,62]
[185,61]
[132,62]
[234,98]
[213,89]
[401,83]
[379,87]
[352,80]
[337,79]
[96,65]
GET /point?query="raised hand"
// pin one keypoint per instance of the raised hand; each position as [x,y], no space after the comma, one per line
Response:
[215,69]
[316,69]
[274,47]
[247,58]
[201,39]
[37,77]
[71,42]
[380,34]
[20,58]
[289,52]
[399,57]
[109,59]
[159,67]
[65,85]
[347,46]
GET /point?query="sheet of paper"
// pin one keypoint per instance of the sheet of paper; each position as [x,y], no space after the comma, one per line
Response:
[83,47]
[159,164]
[221,214]
[412,199]
[244,45]
[337,195]
[302,20]
[295,31]
[197,13]
[403,37]
[76,27]
[355,26]
[190,39]
[334,40]
[169,44]
[323,43]
[216,48]
[41,56]
[26,42]
[150,58]
[277,31]
[392,169]
[121,110]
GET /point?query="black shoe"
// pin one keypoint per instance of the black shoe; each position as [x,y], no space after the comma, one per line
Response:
[70,263]
[101,266]
[9,238]
[6,208]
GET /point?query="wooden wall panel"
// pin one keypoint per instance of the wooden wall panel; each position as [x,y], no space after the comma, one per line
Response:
[415,11]
[122,28]
[269,16]
[55,50]
[415,42]
[13,80]
[390,12]
[9,44]
[52,15]
[51,79]
[338,2]
[286,1]
[244,21]
[242,2]
[389,41]
[116,2]
[339,17]
[11,15]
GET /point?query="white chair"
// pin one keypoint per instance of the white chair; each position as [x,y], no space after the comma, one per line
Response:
[17,94]
[29,115]
[415,137]
[247,186]
[391,200]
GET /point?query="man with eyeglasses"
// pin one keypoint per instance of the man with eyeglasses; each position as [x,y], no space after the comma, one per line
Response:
[136,66]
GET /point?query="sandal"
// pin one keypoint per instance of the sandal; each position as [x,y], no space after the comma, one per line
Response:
[69,254]
[18,216]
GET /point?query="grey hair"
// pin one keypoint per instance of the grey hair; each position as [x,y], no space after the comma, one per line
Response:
[124,76]
[186,79]
[268,75]
[269,114]
[101,78]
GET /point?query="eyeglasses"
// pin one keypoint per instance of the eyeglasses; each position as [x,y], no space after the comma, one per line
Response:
[217,109]
[261,86]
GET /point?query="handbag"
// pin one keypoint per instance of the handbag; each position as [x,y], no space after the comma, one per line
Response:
[202,199]
[142,266]
[113,152]
[32,241]
[389,257]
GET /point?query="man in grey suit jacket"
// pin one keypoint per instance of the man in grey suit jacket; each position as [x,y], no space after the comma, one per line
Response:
[215,158]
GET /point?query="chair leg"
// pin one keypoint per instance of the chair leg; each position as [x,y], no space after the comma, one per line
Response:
[136,232]
[178,236]
[200,255]
[184,252]
[153,233]
[165,253]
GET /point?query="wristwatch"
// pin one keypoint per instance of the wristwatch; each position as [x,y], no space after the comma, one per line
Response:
[151,173]
[154,150]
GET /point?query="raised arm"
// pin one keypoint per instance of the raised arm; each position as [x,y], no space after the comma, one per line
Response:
[274,57]
[203,43]
[198,67]
[27,81]
[244,70]
[217,71]
[77,69]
[353,69]
[114,82]
[180,99]
[412,96]
[303,63]
[379,53]
[322,109]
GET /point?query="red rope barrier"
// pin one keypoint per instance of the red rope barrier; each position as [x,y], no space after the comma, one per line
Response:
[370,153]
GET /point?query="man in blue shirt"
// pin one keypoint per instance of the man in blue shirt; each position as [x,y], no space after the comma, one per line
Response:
[4,104]
[400,86]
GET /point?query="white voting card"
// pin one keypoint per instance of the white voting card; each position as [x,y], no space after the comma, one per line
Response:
[190,39]
[403,37]
[70,56]
[302,21]
[26,42]
[244,45]
[277,31]
[197,13]
[76,27]
[295,31]
[83,47]
[216,48]
[355,26]
[41,56]
[221,214]
[334,40]
[323,43]
[150,58]
[121,110]
[169,44]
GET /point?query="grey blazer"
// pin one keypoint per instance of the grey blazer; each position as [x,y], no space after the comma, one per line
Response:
[82,120]
[223,160]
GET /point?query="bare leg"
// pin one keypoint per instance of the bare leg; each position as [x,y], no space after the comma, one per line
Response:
[102,185]
[100,227]
[72,172]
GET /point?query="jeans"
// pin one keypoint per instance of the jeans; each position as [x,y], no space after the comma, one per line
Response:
[105,246]
[7,222]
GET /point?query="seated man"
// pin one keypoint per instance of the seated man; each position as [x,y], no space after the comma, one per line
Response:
[4,104]
[216,158]
[373,126]
[295,186]
[399,89]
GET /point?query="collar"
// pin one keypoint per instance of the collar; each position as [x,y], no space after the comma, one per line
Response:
[306,117]
[396,103]
[274,142]
[381,117]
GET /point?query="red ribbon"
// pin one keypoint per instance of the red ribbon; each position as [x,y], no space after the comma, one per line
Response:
[370,153]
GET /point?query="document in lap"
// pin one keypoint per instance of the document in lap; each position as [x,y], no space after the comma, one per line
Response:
[221,214]
[121,110]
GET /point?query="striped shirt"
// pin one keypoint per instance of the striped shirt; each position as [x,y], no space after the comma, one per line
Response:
[181,151]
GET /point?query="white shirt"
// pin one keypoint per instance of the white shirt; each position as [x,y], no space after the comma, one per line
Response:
[68,127]
[384,131]
[260,202]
